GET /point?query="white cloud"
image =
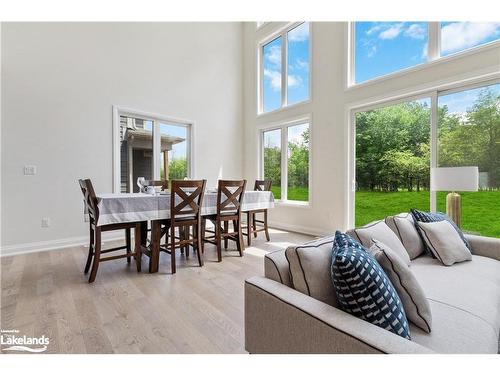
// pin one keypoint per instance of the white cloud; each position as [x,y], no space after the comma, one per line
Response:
[373,29]
[424,50]
[274,78]
[460,35]
[273,56]
[415,31]
[372,51]
[294,81]
[301,64]
[300,33]
[391,32]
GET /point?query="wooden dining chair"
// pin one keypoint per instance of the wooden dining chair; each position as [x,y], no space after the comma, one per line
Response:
[253,224]
[229,199]
[95,242]
[163,183]
[186,199]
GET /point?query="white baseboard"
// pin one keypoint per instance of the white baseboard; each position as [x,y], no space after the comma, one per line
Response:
[35,247]
[301,229]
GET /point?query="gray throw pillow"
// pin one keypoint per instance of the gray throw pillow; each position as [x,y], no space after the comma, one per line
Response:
[404,227]
[444,242]
[415,303]
[381,232]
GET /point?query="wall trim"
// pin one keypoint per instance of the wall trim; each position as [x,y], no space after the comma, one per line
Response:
[35,247]
[301,229]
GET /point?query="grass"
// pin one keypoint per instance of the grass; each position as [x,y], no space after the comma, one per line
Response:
[480,210]
[294,194]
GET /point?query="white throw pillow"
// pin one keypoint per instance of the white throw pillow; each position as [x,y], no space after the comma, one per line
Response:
[404,227]
[381,232]
[444,242]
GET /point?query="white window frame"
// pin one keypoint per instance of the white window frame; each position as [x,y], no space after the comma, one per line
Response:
[433,55]
[283,33]
[156,119]
[433,93]
[283,126]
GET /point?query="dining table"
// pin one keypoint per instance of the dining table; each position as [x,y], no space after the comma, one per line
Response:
[143,208]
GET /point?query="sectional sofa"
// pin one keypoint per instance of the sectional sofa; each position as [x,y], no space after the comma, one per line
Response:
[293,308]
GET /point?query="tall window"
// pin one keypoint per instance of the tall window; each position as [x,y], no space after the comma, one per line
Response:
[469,135]
[382,48]
[285,73]
[152,148]
[392,160]
[288,173]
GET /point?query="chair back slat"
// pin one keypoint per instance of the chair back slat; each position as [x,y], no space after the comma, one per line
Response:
[262,185]
[230,196]
[90,199]
[186,198]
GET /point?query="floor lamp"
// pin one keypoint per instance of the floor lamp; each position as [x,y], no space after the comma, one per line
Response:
[454,179]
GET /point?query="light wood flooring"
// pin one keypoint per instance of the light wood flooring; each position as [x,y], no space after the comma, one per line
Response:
[197,310]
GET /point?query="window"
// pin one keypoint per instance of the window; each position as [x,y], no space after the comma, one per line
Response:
[288,173]
[392,160]
[149,147]
[469,135]
[285,73]
[382,48]
[458,36]
[386,47]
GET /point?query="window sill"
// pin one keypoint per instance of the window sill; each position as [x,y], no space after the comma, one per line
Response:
[283,109]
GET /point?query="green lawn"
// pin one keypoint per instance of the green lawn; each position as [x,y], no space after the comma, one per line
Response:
[480,210]
[294,194]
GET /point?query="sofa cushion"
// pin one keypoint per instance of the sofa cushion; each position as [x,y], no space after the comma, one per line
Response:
[404,227]
[381,232]
[415,303]
[277,268]
[310,269]
[444,242]
[473,287]
[363,289]
[456,331]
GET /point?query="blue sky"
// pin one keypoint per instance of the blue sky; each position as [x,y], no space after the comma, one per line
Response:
[460,102]
[298,68]
[386,47]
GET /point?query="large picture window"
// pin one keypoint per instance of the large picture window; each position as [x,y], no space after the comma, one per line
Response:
[149,147]
[285,72]
[288,172]
[382,48]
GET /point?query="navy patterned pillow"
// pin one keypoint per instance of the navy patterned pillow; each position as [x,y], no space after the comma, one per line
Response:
[363,289]
[431,217]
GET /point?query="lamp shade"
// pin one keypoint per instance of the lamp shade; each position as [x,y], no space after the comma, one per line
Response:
[455,179]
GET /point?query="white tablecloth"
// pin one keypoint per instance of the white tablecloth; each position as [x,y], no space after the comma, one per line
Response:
[131,207]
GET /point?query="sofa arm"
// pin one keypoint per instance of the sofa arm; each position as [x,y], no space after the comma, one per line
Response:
[484,246]
[279,319]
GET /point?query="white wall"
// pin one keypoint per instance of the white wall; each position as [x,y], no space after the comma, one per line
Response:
[329,134]
[59,82]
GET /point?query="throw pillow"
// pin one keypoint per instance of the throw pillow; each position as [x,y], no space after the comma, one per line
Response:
[444,242]
[380,231]
[404,227]
[363,289]
[430,217]
[415,302]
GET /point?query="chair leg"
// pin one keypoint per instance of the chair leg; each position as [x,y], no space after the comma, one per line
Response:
[203,226]
[187,234]
[127,241]
[91,250]
[218,240]
[266,227]
[249,228]
[239,242]
[97,254]
[138,247]
[197,233]
[226,230]
[254,225]
[172,249]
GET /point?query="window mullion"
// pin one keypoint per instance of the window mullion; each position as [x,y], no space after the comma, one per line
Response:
[284,163]
[434,41]
[284,68]
[434,144]
[156,149]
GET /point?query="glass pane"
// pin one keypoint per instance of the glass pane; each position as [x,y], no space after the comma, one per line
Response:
[469,135]
[386,47]
[272,160]
[174,152]
[392,160]
[298,163]
[272,75]
[298,64]
[458,36]
[136,152]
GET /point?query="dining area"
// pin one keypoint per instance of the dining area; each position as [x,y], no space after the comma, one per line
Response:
[177,218]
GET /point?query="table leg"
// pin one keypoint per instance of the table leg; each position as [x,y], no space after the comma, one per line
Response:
[154,259]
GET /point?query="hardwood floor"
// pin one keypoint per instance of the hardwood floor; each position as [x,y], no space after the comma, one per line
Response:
[196,310]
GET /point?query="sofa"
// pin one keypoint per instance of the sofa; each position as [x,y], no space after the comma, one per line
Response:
[293,308]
